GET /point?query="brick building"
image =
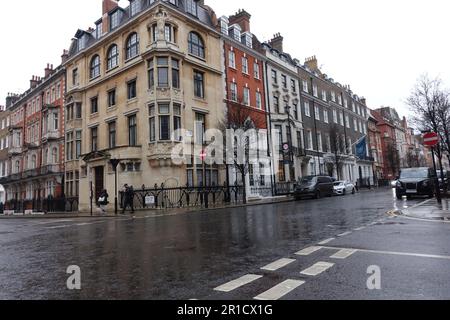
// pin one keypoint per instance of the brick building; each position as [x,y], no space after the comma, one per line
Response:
[36,142]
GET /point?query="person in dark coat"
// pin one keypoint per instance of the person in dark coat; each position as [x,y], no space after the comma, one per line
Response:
[103,200]
[128,198]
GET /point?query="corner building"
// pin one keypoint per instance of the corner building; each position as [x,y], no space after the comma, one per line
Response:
[143,72]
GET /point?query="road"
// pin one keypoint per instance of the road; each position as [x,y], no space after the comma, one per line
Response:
[197,255]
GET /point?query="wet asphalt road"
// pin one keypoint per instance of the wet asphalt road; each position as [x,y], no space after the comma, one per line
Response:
[187,256]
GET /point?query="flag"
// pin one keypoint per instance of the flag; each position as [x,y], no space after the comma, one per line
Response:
[361,148]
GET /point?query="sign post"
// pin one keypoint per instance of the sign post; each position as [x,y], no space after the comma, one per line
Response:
[431,140]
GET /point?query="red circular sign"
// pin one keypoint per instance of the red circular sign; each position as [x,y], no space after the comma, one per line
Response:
[431,139]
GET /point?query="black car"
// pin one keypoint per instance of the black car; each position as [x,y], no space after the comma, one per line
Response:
[416,182]
[443,184]
[314,187]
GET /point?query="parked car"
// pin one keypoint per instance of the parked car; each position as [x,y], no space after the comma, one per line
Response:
[416,182]
[444,183]
[344,188]
[394,183]
[314,187]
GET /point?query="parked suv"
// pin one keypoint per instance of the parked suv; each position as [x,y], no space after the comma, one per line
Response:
[315,187]
[416,182]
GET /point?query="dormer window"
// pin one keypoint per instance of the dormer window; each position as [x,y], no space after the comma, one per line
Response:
[191,7]
[82,42]
[99,30]
[247,39]
[135,7]
[114,19]
[224,25]
[235,32]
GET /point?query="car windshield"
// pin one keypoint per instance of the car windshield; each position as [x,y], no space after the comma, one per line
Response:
[339,183]
[414,174]
[308,180]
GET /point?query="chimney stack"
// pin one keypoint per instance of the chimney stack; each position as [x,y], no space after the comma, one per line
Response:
[277,42]
[34,82]
[312,63]
[108,5]
[11,99]
[242,18]
[64,56]
[48,70]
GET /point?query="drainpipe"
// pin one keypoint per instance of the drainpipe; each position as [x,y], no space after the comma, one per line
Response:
[269,132]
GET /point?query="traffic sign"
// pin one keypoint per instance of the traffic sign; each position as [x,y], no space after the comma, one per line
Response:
[431,139]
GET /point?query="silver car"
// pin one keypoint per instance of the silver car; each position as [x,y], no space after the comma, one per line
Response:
[343,188]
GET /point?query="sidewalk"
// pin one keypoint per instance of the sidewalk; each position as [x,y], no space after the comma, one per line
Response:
[144,213]
[430,210]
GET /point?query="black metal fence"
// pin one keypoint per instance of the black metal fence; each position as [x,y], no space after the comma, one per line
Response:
[185,197]
[285,188]
[47,205]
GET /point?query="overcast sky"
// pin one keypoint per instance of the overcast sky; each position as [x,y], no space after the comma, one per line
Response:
[378,47]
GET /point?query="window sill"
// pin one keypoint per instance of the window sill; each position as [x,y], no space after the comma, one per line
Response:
[111,109]
[112,69]
[131,59]
[131,101]
[202,100]
[197,57]
[94,78]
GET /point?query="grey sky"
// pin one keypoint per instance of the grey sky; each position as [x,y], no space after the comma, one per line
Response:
[378,47]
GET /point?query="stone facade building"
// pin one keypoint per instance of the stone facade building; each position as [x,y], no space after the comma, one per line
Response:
[4,145]
[144,72]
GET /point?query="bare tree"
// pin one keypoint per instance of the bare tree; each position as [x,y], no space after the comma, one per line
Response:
[430,105]
[337,149]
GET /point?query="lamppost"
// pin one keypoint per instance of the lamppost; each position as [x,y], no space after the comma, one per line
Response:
[288,111]
[115,163]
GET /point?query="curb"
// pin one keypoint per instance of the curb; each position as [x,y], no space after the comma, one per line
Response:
[157,213]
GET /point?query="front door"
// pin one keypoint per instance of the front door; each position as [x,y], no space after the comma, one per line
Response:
[99,181]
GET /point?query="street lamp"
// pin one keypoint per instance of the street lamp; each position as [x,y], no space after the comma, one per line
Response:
[290,121]
[115,163]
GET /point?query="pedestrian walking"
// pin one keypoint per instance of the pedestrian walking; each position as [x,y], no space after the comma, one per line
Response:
[103,201]
[128,194]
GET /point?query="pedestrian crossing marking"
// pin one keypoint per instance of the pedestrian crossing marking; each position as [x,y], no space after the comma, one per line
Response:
[308,251]
[274,266]
[317,269]
[326,241]
[343,254]
[232,285]
[280,290]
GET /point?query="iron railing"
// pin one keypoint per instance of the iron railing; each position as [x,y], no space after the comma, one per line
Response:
[185,197]
[47,205]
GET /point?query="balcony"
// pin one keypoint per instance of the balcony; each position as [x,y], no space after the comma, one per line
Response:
[32,145]
[15,150]
[50,169]
[51,135]
[30,173]
[48,106]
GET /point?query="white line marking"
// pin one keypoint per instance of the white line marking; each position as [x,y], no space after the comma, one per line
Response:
[343,254]
[344,234]
[53,221]
[274,266]
[308,251]
[317,269]
[326,241]
[58,227]
[419,255]
[359,229]
[280,290]
[232,285]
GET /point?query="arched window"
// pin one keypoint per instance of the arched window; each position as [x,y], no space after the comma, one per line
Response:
[196,45]
[113,57]
[95,67]
[33,161]
[132,46]
[54,155]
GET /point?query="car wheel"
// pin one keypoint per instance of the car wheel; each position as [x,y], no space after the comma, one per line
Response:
[353,191]
[317,194]
[399,197]
[345,192]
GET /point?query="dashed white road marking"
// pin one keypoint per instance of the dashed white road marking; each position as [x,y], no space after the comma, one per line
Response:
[359,229]
[326,241]
[53,221]
[308,251]
[232,285]
[408,254]
[345,234]
[274,266]
[343,254]
[317,269]
[280,290]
